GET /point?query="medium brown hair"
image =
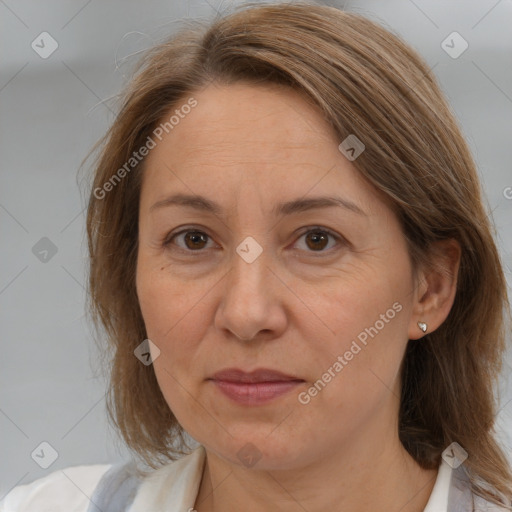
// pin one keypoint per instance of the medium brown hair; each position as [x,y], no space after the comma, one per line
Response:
[366,81]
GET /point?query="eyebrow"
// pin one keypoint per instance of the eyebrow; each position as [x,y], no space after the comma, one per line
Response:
[201,203]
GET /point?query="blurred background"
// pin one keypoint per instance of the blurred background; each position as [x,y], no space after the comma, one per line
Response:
[62,63]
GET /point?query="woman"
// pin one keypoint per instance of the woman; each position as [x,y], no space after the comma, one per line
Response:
[293,265]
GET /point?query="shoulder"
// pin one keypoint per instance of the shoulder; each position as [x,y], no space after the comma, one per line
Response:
[62,490]
[102,487]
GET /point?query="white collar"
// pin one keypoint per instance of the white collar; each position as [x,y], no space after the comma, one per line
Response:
[172,488]
[438,501]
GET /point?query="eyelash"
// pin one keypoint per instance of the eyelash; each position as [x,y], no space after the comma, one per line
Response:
[311,229]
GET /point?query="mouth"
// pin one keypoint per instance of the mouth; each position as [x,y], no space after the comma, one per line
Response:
[256,387]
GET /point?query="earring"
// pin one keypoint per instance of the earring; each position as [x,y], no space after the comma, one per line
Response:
[422,326]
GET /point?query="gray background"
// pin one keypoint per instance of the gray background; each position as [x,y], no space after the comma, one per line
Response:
[52,111]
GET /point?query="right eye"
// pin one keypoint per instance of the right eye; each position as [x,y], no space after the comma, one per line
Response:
[193,240]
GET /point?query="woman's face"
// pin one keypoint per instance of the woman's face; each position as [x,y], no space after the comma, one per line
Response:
[259,282]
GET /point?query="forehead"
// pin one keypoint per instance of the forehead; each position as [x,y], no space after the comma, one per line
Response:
[265,120]
[266,138]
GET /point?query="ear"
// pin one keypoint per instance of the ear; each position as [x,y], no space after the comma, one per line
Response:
[436,288]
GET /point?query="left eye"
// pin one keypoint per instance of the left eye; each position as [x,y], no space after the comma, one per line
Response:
[318,238]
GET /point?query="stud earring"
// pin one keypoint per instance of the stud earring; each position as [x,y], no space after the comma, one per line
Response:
[422,326]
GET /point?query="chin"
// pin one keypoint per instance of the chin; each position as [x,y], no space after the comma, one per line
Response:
[256,450]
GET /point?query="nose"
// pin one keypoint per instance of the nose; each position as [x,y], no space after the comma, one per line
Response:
[252,305]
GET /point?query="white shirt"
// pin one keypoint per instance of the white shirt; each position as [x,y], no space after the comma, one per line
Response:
[174,488]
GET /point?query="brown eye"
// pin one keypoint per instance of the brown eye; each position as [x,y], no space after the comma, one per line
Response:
[195,239]
[317,239]
[192,240]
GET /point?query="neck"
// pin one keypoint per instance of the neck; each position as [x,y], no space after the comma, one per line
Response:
[356,478]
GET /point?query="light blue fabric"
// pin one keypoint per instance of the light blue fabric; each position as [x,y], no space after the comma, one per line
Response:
[462,499]
[116,489]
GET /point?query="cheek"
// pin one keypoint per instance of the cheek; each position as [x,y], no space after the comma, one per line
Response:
[365,300]
[170,313]
[368,318]
[358,375]
[176,319]
[169,305]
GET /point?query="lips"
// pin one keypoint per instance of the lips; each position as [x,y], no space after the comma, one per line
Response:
[254,388]
[260,375]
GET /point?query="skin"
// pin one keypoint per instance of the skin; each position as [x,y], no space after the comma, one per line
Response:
[296,308]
